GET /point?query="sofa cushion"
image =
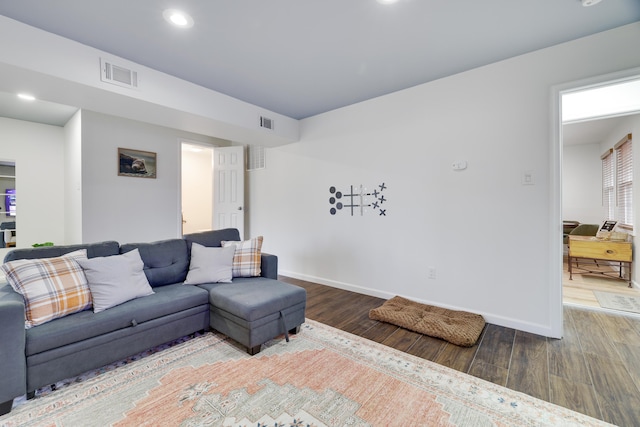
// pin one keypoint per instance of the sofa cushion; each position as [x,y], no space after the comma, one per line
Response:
[210,265]
[76,327]
[51,287]
[115,279]
[246,261]
[255,298]
[213,238]
[165,261]
[106,248]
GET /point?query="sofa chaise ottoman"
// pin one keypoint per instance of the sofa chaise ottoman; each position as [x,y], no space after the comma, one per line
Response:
[252,310]
[255,311]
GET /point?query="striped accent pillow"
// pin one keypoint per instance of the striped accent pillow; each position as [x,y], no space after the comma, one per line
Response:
[51,287]
[246,259]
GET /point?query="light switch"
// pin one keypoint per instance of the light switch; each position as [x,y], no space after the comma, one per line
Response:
[528,178]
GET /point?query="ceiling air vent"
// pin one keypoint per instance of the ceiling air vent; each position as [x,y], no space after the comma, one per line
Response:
[117,75]
[266,123]
[255,157]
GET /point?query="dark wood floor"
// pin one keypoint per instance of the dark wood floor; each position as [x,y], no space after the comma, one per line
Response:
[594,369]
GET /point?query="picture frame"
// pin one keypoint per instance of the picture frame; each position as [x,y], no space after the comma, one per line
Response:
[136,163]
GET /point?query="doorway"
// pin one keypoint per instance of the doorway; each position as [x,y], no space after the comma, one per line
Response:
[212,187]
[197,187]
[591,116]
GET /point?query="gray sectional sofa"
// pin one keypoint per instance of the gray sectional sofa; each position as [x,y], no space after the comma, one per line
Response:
[250,310]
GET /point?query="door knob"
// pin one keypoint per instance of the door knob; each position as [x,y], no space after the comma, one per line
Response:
[239,208]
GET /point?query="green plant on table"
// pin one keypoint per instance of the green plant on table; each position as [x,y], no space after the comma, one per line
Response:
[38,245]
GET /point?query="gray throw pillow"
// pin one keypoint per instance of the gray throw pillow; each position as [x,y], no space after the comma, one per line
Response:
[115,279]
[210,265]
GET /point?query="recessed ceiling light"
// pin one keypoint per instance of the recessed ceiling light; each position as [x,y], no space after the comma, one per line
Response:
[587,3]
[178,18]
[387,1]
[26,97]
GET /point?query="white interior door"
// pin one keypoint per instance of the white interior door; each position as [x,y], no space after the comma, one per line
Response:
[228,205]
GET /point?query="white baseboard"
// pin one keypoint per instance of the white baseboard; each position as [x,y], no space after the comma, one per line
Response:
[506,322]
[339,285]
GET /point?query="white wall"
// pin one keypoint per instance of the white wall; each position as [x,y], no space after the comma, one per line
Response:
[582,183]
[73,179]
[68,187]
[38,152]
[487,235]
[129,209]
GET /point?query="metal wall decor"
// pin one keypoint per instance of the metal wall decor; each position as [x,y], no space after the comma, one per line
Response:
[358,200]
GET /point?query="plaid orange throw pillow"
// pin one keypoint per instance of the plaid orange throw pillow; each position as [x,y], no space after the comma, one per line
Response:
[51,287]
[247,257]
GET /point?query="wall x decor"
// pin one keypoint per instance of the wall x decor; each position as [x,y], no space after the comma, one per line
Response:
[358,200]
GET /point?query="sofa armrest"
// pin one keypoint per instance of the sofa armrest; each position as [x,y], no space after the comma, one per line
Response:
[269,266]
[12,350]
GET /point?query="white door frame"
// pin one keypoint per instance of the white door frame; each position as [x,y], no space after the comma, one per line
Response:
[555,221]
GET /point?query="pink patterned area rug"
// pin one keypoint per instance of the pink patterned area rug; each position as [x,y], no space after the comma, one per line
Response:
[323,377]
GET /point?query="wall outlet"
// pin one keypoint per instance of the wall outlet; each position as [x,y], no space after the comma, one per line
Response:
[431,271]
[528,178]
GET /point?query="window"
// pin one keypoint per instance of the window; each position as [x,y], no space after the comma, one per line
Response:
[624,181]
[608,185]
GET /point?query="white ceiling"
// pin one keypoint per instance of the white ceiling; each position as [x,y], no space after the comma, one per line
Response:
[589,132]
[35,111]
[301,58]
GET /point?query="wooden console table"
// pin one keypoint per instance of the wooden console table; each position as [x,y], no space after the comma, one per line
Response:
[592,248]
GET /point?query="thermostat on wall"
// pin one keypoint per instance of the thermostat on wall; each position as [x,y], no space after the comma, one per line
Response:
[459,165]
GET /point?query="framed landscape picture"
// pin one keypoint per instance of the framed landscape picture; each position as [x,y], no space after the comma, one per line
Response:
[136,163]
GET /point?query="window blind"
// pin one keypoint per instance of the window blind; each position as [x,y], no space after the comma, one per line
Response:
[624,181]
[608,185]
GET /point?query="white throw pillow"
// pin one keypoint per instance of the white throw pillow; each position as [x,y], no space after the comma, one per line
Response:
[210,265]
[115,279]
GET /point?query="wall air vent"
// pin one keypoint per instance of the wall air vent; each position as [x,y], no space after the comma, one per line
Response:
[266,123]
[255,157]
[117,75]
